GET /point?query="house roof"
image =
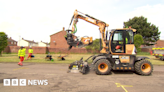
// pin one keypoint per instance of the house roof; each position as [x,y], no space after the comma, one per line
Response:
[45,43]
[30,41]
[11,40]
[57,32]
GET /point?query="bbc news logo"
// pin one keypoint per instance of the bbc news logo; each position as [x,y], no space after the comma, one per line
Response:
[22,82]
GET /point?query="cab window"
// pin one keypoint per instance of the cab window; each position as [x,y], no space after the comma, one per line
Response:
[129,37]
[118,37]
[118,42]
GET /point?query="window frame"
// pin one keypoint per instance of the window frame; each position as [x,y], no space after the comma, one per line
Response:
[130,37]
[123,40]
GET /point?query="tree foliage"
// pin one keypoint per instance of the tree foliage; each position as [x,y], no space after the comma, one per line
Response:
[94,46]
[138,41]
[149,32]
[3,41]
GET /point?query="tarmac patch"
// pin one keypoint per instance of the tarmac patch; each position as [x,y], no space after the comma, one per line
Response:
[74,71]
[20,68]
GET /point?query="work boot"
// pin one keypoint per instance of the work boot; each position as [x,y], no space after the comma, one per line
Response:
[19,63]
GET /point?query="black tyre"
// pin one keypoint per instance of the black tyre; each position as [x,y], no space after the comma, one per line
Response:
[144,67]
[162,58]
[103,67]
[85,70]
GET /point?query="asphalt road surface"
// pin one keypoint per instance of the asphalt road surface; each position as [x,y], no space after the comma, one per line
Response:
[60,81]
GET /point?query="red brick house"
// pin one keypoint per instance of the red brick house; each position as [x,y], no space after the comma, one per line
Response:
[159,43]
[57,40]
[11,42]
[58,44]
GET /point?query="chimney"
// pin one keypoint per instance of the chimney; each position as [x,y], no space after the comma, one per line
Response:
[10,37]
[22,38]
[33,40]
[41,41]
[63,28]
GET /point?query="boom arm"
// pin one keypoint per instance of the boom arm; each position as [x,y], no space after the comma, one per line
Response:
[102,25]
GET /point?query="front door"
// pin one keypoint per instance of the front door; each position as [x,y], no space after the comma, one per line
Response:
[118,42]
[130,48]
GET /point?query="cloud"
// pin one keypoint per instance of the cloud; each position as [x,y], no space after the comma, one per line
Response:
[154,15]
[38,19]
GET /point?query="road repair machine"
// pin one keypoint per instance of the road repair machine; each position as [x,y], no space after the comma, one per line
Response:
[117,53]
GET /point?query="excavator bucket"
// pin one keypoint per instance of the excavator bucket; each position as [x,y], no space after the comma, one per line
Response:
[70,38]
[71,42]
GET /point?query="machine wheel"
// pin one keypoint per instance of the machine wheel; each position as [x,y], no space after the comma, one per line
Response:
[162,58]
[85,70]
[103,67]
[143,67]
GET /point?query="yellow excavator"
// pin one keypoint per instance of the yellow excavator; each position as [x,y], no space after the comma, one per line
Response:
[118,51]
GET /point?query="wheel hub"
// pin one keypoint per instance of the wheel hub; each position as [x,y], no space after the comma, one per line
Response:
[143,67]
[103,67]
[146,67]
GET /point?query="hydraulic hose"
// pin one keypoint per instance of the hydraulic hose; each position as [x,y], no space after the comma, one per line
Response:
[75,29]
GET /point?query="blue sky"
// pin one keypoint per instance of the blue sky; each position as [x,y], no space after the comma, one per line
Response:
[38,19]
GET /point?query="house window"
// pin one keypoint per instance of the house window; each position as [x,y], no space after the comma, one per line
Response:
[11,42]
[14,42]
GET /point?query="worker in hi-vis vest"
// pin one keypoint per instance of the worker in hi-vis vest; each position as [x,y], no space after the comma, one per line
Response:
[30,51]
[21,54]
[120,43]
[126,40]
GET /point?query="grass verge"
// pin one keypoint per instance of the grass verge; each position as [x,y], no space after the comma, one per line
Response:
[143,53]
[40,58]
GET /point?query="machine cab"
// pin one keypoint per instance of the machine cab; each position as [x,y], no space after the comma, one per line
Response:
[122,41]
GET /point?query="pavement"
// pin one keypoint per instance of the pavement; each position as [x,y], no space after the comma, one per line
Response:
[60,81]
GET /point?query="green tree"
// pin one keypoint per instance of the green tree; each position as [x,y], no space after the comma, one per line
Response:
[94,46]
[149,32]
[3,42]
[138,41]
